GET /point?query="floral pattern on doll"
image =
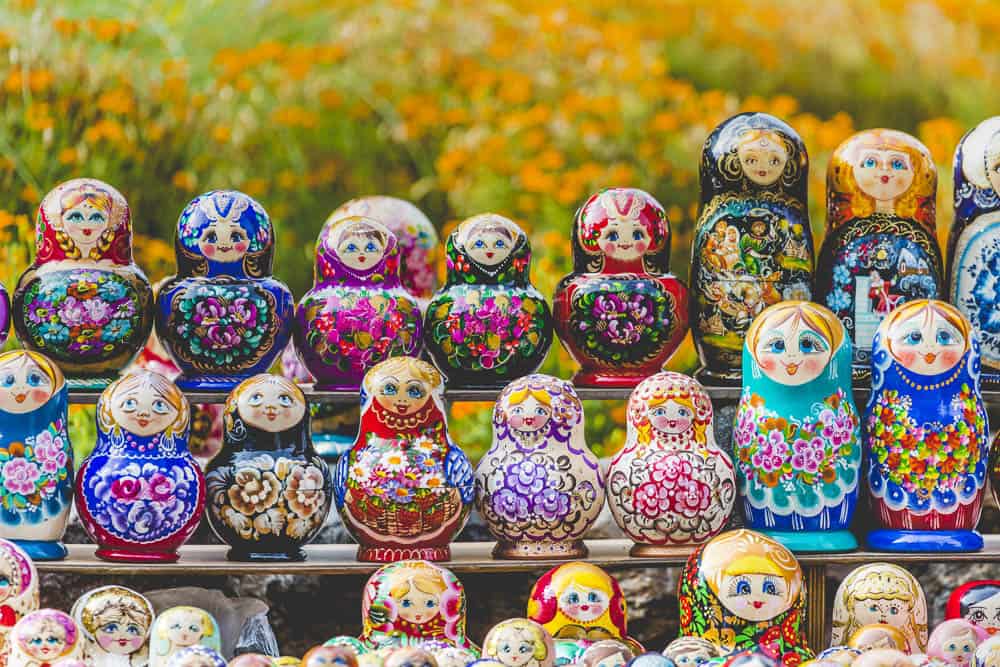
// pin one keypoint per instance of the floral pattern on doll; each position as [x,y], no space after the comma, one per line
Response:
[519,642]
[42,638]
[881,593]
[115,622]
[179,628]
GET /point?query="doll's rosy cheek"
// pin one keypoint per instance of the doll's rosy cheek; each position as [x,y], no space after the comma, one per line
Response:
[607,246]
[208,250]
[950,357]
[241,247]
[907,357]
[39,395]
[641,246]
[768,362]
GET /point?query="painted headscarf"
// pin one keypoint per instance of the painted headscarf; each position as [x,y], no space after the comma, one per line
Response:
[377,419]
[719,566]
[657,390]
[382,623]
[330,266]
[232,207]
[798,448]
[976,174]
[44,620]
[60,208]
[621,205]
[523,630]
[112,604]
[886,582]
[118,439]
[978,602]
[21,590]
[161,648]
[463,268]
[566,410]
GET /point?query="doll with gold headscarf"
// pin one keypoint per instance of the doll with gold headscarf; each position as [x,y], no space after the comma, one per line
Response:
[880,594]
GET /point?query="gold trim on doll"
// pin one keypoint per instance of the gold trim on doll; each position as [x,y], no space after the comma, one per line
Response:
[794,341]
[764,156]
[143,403]
[28,380]
[116,619]
[880,593]
[927,336]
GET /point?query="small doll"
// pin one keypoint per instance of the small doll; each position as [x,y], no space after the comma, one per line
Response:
[43,638]
[179,628]
[955,641]
[691,651]
[978,602]
[519,642]
[115,623]
[330,656]
[410,656]
[18,590]
[196,656]
[881,593]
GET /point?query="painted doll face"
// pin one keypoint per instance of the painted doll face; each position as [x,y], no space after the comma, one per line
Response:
[878,610]
[270,407]
[46,640]
[403,395]
[489,245]
[624,240]
[671,417]
[927,343]
[360,250]
[417,606]
[84,223]
[985,614]
[883,174]
[763,159]
[24,386]
[121,637]
[223,241]
[514,648]
[792,353]
[185,627]
[327,656]
[755,597]
[960,649]
[583,604]
[143,411]
[529,416]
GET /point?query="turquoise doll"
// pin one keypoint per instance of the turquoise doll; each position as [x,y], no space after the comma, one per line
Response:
[797,439]
[36,458]
[974,243]
[926,413]
[223,317]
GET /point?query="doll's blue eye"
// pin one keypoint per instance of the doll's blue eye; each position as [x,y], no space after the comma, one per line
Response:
[236,237]
[637,235]
[35,640]
[743,588]
[34,379]
[429,604]
[407,602]
[352,247]
[777,346]
[913,338]
[371,247]
[945,337]
[540,412]
[479,244]
[525,649]
[132,630]
[4,582]
[97,217]
[613,236]
[592,597]
[193,628]
[211,237]
[111,627]
[390,389]
[810,344]
[898,164]
[500,243]
[869,163]
[769,588]
[160,406]
[75,216]
[8,380]
[129,405]
[573,598]
[256,399]
[413,391]
[285,400]
[52,639]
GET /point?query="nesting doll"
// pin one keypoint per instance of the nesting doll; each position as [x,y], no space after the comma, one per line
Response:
[178,628]
[488,324]
[404,489]
[539,487]
[691,651]
[880,593]
[955,641]
[334,425]
[196,656]
[753,245]
[42,638]
[988,653]
[925,413]
[974,242]
[83,302]
[140,493]
[4,314]
[580,601]
[670,485]
[418,240]
[978,602]
[269,492]
[797,438]
[18,595]
[36,457]
[330,656]
[357,312]
[412,601]
[881,246]
[519,642]
[621,313]
[223,317]
[744,591]
[115,622]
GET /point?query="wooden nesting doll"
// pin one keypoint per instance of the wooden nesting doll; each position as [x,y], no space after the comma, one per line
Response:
[418,240]
[331,656]
[140,493]
[20,594]
[621,313]
[357,312]
[797,438]
[925,413]
[179,628]
[988,653]
[579,601]
[519,642]
[269,492]
[670,485]
[691,651]
[36,457]
[539,488]
[744,591]
[404,489]
[753,245]
[881,247]
[974,242]
[43,638]
[955,641]
[223,317]
[977,602]
[880,593]
[488,324]
[411,601]
[83,302]
[115,622]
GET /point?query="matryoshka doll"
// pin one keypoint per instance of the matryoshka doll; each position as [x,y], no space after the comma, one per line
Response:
[925,413]
[488,324]
[579,601]
[19,592]
[223,317]
[36,457]
[691,651]
[412,601]
[753,245]
[621,313]
[404,489]
[42,638]
[115,622]
[744,591]
[418,240]
[196,656]
[178,628]
[880,593]
[83,302]
[988,653]
[140,493]
[881,247]
[519,642]
[797,438]
[955,641]
[977,602]
[269,492]
[330,656]
[539,487]
[670,485]
[357,312]
[974,242]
